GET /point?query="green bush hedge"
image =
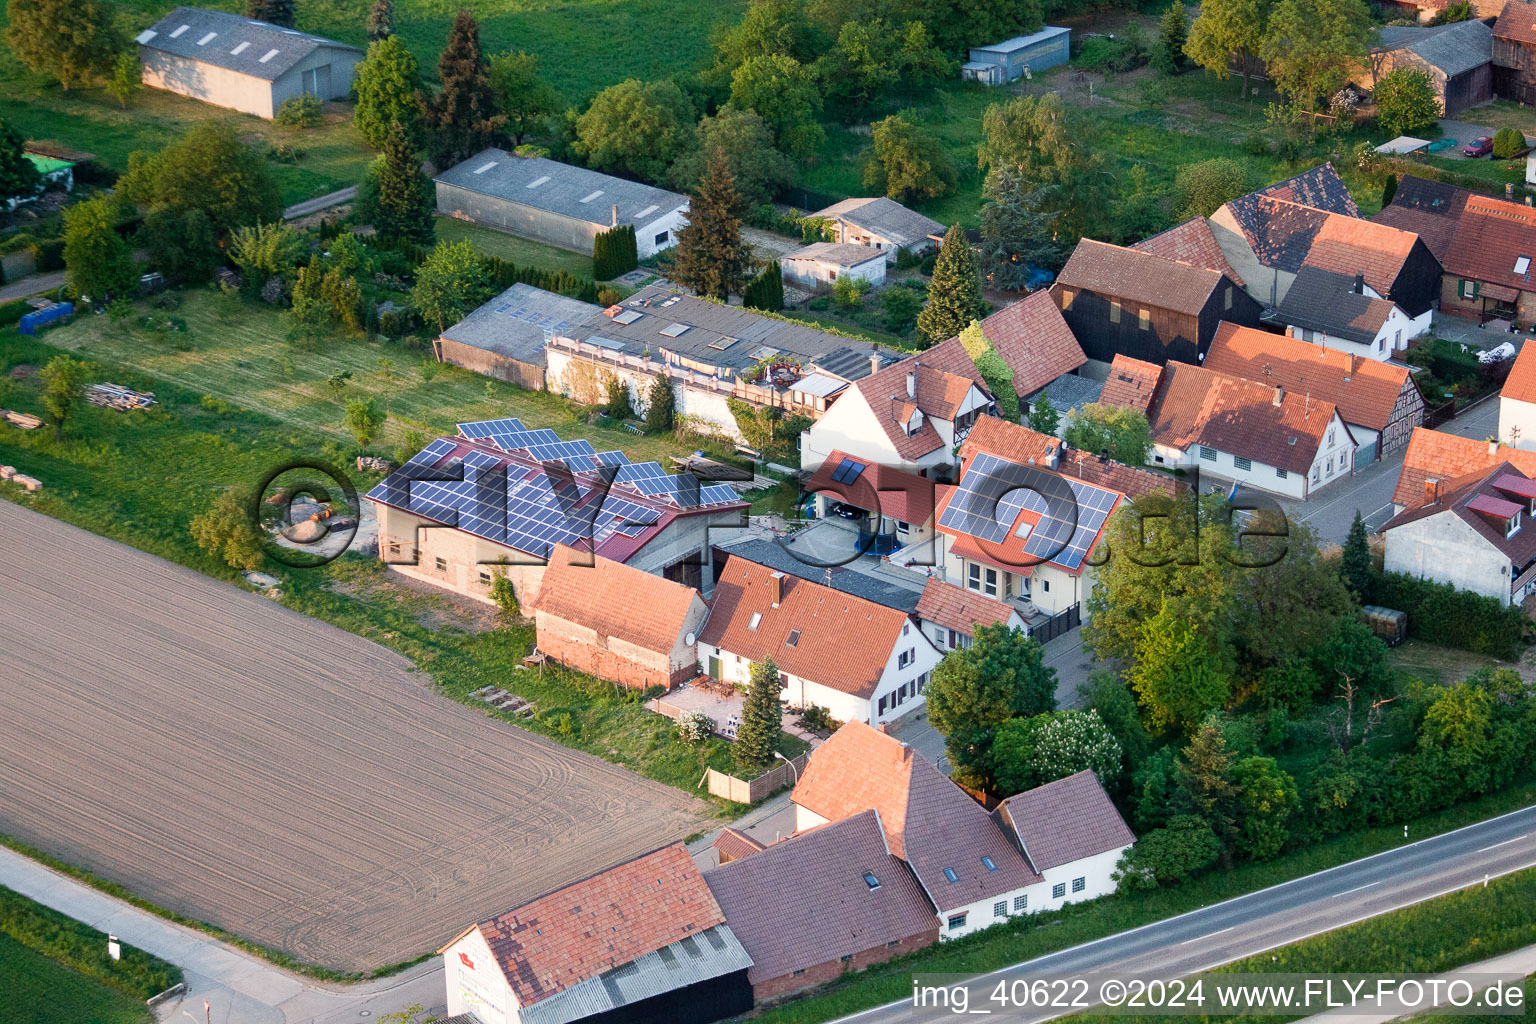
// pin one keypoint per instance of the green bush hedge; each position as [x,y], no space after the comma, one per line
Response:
[1506,143]
[12,312]
[49,254]
[1438,613]
[504,274]
[614,252]
[82,948]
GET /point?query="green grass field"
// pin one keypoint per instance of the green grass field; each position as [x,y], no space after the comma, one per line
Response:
[524,252]
[37,990]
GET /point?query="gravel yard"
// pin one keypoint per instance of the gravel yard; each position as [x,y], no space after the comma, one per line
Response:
[257,769]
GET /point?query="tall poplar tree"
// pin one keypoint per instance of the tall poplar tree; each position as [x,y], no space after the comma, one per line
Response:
[381,20]
[954,291]
[462,118]
[711,258]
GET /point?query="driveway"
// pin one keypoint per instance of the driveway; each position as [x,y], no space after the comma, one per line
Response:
[1463,132]
[30,286]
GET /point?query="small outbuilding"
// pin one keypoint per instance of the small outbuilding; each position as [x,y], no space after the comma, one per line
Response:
[1457,58]
[882,224]
[505,338]
[1018,57]
[818,266]
[232,61]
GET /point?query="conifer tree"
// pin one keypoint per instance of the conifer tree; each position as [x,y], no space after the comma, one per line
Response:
[1355,562]
[762,715]
[400,196]
[387,82]
[614,252]
[711,258]
[277,12]
[661,407]
[766,290]
[954,291]
[463,117]
[381,20]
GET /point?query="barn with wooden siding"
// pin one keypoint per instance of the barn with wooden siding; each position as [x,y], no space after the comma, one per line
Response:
[1455,57]
[1514,53]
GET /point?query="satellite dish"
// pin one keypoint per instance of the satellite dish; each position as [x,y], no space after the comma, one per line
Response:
[690,639]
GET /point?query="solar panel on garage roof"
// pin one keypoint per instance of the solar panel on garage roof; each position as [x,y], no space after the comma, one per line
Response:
[614,458]
[560,450]
[432,452]
[484,428]
[640,471]
[847,471]
[994,491]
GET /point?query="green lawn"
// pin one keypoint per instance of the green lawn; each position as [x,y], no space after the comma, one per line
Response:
[524,252]
[37,990]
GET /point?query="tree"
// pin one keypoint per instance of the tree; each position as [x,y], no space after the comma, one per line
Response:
[396,197]
[126,78]
[1043,417]
[63,379]
[617,404]
[1266,799]
[381,20]
[759,169]
[461,118]
[784,92]
[277,12]
[387,81]
[207,169]
[1205,775]
[526,99]
[311,319]
[1507,142]
[710,257]
[75,41]
[976,689]
[1200,189]
[769,28]
[1117,431]
[899,308]
[635,128]
[859,69]
[450,282]
[661,406]
[96,257]
[1021,229]
[1172,33]
[1312,48]
[1106,696]
[1029,752]
[19,177]
[954,290]
[228,532]
[907,163]
[1226,31]
[1406,101]
[766,290]
[762,715]
[1033,136]
[1177,677]
[364,418]
[182,243]
[614,252]
[265,252]
[1388,190]
[1355,561]
[1167,856]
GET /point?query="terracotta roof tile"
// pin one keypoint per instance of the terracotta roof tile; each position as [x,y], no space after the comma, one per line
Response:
[1132,383]
[1019,444]
[892,492]
[1200,406]
[1192,242]
[1447,457]
[930,822]
[1480,500]
[812,631]
[1034,340]
[1430,209]
[580,588]
[1521,383]
[804,901]
[1320,188]
[942,377]
[1131,481]
[1138,276]
[1517,22]
[1065,820]
[961,610]
[578,932]
[1350,245]
[1365,391]
[1495,242]
[735,845]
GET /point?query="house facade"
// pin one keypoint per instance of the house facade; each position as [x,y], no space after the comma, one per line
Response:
[1517,402]
[950,614]
[1488,273]
[862,661]
[818,267]
[1338,312]
[1075,863]
[882,224]
[900,504]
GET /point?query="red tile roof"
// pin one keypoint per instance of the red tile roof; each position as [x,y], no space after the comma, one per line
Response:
[1193,243]
[1064,821]
[892,492]
[1521,384]
[941,378]
[1132,383]
[840,641]
[1351,245]
[1034,340]
[1517,22]
[1483,500]
[1365,391]
[578,932]
[929,822]
[1123,273]
[1447,457]
[1492,237]
[579,588]
[735,845]
[961,610]
[804,901]
[1200,406]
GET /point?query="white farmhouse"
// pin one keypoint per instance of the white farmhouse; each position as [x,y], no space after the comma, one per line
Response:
[1345,313]
[1517,402]
[882,224]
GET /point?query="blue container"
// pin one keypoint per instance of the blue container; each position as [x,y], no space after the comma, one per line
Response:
[58,311]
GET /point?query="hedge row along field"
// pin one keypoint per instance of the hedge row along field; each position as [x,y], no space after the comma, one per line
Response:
[82,948]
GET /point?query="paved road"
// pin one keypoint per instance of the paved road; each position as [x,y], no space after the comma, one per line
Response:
[319,203]
[1285,913]
[30,286]
[293,783]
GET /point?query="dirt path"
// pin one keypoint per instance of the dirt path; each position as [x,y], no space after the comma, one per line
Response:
[293,783]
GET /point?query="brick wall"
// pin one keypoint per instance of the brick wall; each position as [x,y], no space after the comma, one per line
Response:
[605,664]
[776,988]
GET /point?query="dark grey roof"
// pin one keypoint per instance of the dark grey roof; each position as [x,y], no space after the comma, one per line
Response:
[727,339]
[838,254]
[225,40]
[849,581]
[515,322]
[886,218]
[1454,49]
[555,187]
[1321,300]
[1069,392]
[1064,821]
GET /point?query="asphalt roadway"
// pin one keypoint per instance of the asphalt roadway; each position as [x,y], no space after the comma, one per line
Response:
[1277,916]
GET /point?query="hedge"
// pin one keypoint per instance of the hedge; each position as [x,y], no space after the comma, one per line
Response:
[504,274]
[766,290]
[614,252]
[82,948]
[1439,613]
[12,312]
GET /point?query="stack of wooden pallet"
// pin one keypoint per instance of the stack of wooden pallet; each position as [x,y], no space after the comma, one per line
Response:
[504,701]
[115,396]
[24,420]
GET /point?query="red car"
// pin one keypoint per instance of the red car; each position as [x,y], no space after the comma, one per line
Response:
[1480,146]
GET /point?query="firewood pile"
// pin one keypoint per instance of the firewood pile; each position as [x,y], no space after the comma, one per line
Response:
[115,396]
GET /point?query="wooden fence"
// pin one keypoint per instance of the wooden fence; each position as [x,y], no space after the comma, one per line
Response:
[743,791]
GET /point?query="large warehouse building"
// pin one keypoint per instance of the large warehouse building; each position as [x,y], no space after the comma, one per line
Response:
[547,201]
[246,65]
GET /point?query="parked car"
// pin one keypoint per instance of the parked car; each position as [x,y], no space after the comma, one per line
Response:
[837,508]
[1480,146]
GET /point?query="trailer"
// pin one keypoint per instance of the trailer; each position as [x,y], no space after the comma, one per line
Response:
[1389,625]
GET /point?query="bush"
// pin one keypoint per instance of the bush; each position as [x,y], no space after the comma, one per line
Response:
[1507,142]
[1167,856]
[12,312]
[49,254]
[301,111]
[694,727]
[614,252]
[1438,613]
[82,948]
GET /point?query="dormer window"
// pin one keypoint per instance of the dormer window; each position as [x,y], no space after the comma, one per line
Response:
[1513,526]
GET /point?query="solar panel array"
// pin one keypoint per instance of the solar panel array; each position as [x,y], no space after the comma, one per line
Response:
[847,471]
[993,492]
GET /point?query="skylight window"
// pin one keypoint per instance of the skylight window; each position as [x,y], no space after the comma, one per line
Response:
[871,881]
[793,639]
[536,182]
[592,196]
[674,330]
[206,39]
[1522,264]
[720,345]
[237,51]
[1024,530]
[646,212]
[757,618]
[267,56]
[987,863]
[486,166]
[949,873]
[146,35]
[178,33]
[628,317]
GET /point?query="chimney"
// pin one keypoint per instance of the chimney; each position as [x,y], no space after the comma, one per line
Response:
[1431,490]
[1279,396]
[1350,362]
[1053,457]
[1493,446]
[615,222]
[911,384]
[1359,282]
[874,362]
[778,588]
